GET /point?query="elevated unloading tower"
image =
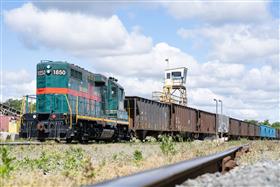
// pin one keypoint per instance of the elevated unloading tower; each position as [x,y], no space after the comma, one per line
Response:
[174,89]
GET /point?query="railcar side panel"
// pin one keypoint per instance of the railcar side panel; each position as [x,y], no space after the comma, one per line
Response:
[207,122]
[257,131]
[267,132]
[183,118]
[243,129]
[145,114]
[234,127]
[273,133]
[251,130]
[223,124]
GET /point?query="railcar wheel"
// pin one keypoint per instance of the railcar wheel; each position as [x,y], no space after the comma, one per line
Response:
[196,136]
[83,141]
[131,135]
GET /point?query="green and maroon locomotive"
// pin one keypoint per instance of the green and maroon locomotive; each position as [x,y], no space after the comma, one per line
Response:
[75,104]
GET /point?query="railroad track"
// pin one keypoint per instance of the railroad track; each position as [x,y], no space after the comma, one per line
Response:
[175,174]
[21,143]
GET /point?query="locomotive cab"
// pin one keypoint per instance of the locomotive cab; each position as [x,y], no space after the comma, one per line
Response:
[115,107]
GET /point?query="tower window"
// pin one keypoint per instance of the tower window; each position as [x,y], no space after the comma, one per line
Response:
[176,74]
[168,75]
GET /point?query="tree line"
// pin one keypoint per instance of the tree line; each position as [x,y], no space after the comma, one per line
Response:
[265,122]
[17,104]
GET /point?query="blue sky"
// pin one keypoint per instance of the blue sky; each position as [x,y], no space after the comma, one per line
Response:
[230,48]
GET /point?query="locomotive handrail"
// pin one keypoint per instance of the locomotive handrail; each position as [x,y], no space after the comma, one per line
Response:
[70,110]
[128,110]
[77,108]
[174,174]
[21,110]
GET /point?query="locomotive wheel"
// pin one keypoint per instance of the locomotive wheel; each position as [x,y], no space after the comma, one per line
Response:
[41,139]
[83,141]
[69,140]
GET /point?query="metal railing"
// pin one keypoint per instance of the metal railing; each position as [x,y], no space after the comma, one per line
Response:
[161,97]
[174,174]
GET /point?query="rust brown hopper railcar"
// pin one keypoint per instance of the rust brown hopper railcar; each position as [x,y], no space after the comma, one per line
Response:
[244,129]
[207,122]
[147,117]
[251,131]
[184,119]
[234,128]
[151,118]
[278,134]
[257,131]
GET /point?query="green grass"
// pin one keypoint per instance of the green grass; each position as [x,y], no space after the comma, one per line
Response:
[167,145]
[7,165]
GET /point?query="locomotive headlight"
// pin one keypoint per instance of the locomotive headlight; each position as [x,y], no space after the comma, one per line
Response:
[48,66]
[34,116]
[48,72]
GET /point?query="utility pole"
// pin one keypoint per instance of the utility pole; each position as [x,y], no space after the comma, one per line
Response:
[221,106]
[216,118]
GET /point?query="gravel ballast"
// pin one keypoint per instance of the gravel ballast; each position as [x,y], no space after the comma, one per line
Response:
[262,173]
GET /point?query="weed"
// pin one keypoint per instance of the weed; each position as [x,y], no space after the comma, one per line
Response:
[199,152]
[167,145]
[135,140]
[43,162]
[103,163]
[7,165]
[74,158]
[137,155]
[115,156]
[89,170]
[150,139]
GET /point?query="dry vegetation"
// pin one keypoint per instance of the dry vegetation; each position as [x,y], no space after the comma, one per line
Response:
[76,164]
[261,151]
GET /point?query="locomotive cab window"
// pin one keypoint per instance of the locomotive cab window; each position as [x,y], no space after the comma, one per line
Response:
[114,92]
[76,74]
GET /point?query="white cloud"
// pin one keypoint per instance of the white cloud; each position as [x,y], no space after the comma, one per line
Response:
[249,113]
[219,11]
[264,77]
[235,43]
[74,32]
[148,65]
[15,84]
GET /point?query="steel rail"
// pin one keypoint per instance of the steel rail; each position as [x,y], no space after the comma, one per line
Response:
[21,143]
[174,174]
